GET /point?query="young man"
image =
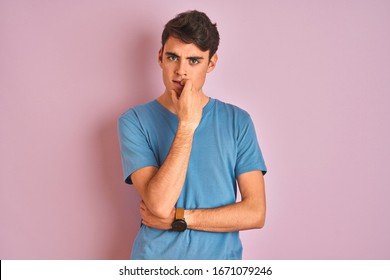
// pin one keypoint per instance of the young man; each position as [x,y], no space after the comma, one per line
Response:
[184,153]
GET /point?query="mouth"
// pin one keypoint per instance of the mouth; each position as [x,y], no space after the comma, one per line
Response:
[178,84]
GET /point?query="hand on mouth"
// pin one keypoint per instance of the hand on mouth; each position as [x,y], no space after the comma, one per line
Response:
[179,84]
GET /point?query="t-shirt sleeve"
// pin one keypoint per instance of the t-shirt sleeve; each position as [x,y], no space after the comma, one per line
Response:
[135,149]
[249,155]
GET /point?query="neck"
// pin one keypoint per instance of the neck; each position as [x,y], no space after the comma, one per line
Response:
[166,101]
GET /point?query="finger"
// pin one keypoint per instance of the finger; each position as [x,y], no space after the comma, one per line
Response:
[187,85]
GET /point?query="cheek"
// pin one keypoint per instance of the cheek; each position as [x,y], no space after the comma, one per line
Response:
[166,72]
[199,77]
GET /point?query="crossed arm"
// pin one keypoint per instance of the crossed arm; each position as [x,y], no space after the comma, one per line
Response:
[249,213]
[161,188]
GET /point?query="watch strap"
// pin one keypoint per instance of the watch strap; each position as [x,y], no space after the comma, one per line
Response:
[179,214]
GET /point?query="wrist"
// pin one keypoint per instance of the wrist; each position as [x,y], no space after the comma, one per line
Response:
[187,128]
[179,224]
[188,216]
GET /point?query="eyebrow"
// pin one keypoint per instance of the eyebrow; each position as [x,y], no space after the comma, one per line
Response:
[189,57]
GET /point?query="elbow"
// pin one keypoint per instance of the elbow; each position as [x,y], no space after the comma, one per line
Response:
[164,214]
[260,223]
[259,219]
[161,211]
[158,207]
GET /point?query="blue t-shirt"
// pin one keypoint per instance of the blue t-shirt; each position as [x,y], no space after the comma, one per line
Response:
[224,146]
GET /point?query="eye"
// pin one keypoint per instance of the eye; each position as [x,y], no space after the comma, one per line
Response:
[172,57]
[194,61]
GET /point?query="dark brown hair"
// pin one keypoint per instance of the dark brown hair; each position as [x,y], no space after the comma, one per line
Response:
[193,27]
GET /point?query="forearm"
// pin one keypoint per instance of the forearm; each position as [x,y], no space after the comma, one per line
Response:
[164,188]
[249,213]
[161,188]
[234,217]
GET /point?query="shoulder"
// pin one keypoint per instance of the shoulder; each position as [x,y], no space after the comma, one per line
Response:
[134,114]
[234,111]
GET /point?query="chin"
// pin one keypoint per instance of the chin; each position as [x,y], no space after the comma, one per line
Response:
[177,91]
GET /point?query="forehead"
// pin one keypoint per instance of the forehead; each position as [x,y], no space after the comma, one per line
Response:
[181,48]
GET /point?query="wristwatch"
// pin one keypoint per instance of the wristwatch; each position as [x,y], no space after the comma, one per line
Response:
[179,224]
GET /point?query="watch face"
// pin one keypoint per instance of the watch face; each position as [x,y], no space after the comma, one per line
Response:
[179,225]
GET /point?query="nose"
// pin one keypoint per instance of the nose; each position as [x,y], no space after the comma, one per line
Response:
[181,69]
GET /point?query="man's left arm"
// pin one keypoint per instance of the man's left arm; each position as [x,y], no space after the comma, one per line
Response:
[249,213]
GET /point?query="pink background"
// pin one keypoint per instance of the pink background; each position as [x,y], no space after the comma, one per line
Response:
[314,75]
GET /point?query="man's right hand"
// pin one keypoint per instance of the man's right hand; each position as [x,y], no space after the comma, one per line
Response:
[188,105]
[160,188]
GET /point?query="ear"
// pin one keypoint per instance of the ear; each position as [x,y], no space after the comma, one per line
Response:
[212,63]
[160,57]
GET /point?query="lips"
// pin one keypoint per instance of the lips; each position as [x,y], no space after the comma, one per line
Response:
[178,84]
